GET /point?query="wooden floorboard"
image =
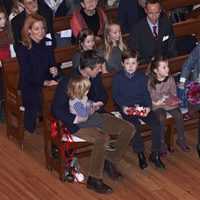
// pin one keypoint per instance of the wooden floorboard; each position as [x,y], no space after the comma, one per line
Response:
[23,175]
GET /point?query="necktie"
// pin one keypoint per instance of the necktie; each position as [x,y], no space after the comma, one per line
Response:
[155,35]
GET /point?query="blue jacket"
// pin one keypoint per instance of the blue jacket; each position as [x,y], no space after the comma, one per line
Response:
[34,70]
[128,92]
[192,63]
[60,104]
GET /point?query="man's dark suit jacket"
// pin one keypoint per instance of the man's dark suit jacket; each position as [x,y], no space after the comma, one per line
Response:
[60,104]
[18,22]
[142,40]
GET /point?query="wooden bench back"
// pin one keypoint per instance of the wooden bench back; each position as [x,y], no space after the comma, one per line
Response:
[174,4]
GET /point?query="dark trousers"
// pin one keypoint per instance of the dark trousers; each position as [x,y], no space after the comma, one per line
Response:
[152,121]
[100,138]
[178,117]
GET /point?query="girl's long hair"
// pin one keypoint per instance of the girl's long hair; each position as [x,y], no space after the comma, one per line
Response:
[81,37]
[108,44]
[28,24]
[154,64]
[8,36]
[77,87]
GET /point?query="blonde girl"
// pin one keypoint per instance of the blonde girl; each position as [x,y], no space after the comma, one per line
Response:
[79,105]
[160,85]
[85,41]
[112,48]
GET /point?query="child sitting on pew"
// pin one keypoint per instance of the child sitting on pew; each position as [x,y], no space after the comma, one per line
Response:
[162,86]
[112,48]
[130,89]
[85,41]
[79,105]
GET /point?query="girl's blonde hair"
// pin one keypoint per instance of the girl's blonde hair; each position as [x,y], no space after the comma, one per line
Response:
[81,37]
[8,37]
[77,87]
[154,64]
[108,44]
[28,24]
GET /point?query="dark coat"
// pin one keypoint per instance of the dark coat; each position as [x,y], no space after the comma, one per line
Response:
[141,39]
[60,105]
[34,70]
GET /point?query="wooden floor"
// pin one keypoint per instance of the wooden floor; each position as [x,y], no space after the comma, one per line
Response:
[23,175]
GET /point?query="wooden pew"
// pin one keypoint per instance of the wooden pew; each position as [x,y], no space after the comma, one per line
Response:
[11,76]
[174,4]
[63,23]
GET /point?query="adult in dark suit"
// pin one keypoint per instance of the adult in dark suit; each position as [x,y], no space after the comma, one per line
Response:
[90,66]
[153,35]
[31,6]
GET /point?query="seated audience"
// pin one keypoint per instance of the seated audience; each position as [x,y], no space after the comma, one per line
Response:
[153,35]
[130,91]
[112,48]
[85,41]
[37,67]
[101,160]
[88,15]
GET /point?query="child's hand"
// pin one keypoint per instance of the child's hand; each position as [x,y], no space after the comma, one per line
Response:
[160,102]
[54,71]
[125,110]
[147,110]
[98,103]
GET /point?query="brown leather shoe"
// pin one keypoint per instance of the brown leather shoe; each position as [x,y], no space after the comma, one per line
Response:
[110,170]
[98,186]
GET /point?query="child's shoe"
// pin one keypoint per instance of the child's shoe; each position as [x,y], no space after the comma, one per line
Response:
[182,144]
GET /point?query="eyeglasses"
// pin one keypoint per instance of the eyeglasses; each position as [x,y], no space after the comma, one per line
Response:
[30,3]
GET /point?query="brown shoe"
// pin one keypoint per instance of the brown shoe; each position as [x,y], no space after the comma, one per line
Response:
[98,186]
[110,170]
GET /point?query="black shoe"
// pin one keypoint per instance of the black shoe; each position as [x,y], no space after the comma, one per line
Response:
[142,160]
[198,149]
[98,186]
[110,170]
[155,158]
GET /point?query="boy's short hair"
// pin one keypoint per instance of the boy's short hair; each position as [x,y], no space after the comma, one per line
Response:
[90,58]
[128,53]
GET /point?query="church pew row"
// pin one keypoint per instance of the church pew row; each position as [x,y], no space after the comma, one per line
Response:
[63,23]
[65,54]
[48,93]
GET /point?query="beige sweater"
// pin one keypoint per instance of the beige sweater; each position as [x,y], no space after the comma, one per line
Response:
[163,88]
